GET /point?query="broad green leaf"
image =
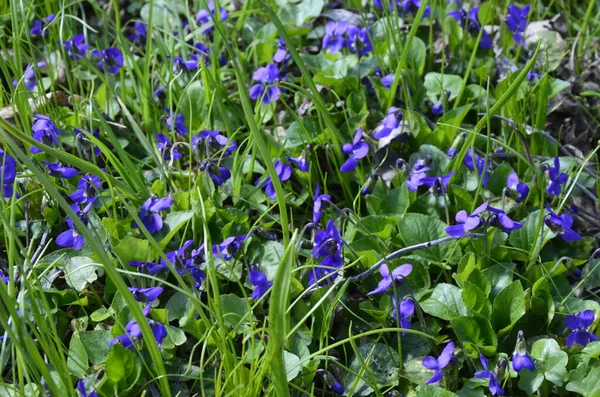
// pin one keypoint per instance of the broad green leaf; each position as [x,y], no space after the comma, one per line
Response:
[550,364]
[296,135]
[267,256]
[508,308]
[381,368]
[525,238]
[81,271]
[191,105]
[419,228]
[440,159]
[298,13]
[292,365]
[445,302]
[437,84]
[395,202]
[236,312]
[132,249]
[466,265]
[476,300]
[500,276]
[433,391]
[77,362]
[587,386]
[180,308]
[171,224]
[417,55]
[96,344]
[122,367]
[476,334]
[542,303]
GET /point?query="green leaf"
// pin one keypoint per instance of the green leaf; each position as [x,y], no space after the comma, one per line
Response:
[77,361]
[180,308]
[476,299]
[550,364]
[417,55]
[525,238]
[377,364]
[298,13]
[445,302]
[267,255]
[132,249]
[500,276]
[192,104]
[122,367]
[508,308]
[292,365]
[298,135]
[542,303]
[81,271]
[433,391]
[171,224]
[102,314]
[587,386]
[437,84]
[440,159]
[377,225]
[419,228]
[96,344]
[395,202]
[466,265]
[476,334]
[236,312]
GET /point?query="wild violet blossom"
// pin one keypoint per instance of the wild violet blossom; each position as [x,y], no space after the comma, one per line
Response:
[111,59]
[166,149]
[473,161]
[579,323]
[561,225]
[215,141]
[259,280]
[407,309]
[318,204]
[205,17]
[516,20]
[149,213]
[266,89]
[439,364]
[556,179]
[219,175]
[417,174]
[389,123]
[301,161]
[44,131]
[281,55]
[397,277]
[176,122]
[84,141]
[359,40]
[472,19]
[357,150]
[438,184]
[466,222]
[328,245]
[519,190]
[140,32]
[87,191]
[146,295]
[83,392]
[283,171]
[495,387]
[57,169]
[501,219]
[334,39]
[521,358]
[76,47]
[8,173]
[71,238]
[38,27]
[229,247]
[388,80]
[180,64]
[133,332]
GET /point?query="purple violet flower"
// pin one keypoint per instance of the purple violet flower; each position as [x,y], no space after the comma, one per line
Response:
[438,184]
[556,179]
[146,295]
[38,27]
[214,140]
[44,131]
[494,386]
[140,32]
[561,225]
[500,219]
[166,149]
[88,188]
[418,172]
[438,364]
[83,392]
[84,141]
[466,222]
[149,213]
[76,47]
[57,169]
[111,59]
[318,204]
[579,323]
[388,80]
[407,309]
[396,277]
[516,20]
[389,123]
[203,17]
[176,122]
[359,41]
[281,55]
[229,247]
[71,238]
[283,171]
[260,282]
[219,175]
[334,36]
[357,150]
[521,358]
[328,245]
[266,76]
[180,64]
[472,161]
[475,26]
[521,190]
[8,173]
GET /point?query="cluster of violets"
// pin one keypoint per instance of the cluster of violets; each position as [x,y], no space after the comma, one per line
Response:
[209,147]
